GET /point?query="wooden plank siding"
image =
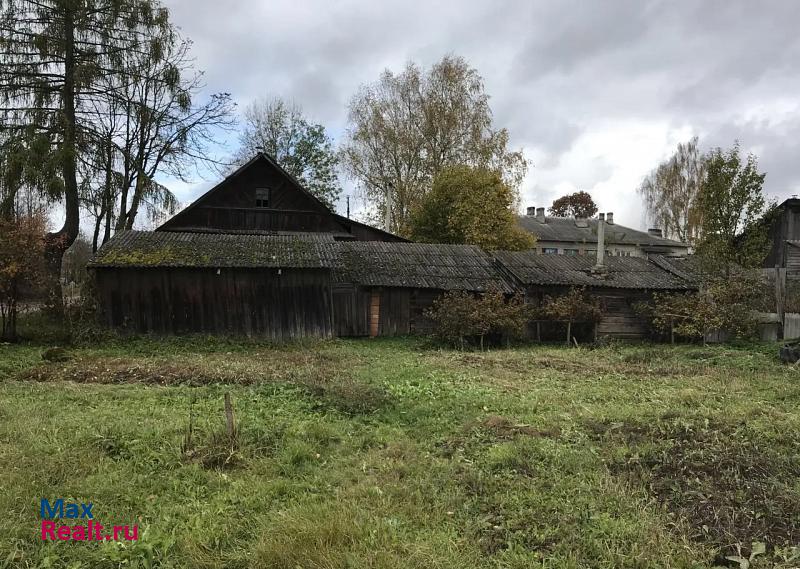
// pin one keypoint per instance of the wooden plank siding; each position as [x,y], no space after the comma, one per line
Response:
[620,319]
[253,302]
[257,219]
[792,261]
[351,310]
[381,311]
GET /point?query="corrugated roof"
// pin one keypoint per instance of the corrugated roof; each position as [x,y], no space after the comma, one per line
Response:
[622,272]
[418,265]
[175,249]
[688,268]
[565,229]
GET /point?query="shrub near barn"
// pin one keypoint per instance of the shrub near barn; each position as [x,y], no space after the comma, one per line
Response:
[461,318]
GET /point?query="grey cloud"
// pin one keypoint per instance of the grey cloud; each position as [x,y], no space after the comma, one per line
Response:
[556,71]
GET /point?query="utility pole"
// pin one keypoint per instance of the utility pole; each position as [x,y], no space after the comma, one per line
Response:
[387,217]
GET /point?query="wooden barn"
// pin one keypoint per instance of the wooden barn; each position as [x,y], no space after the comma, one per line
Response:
[620,285]
[262,198]
[384,289]
[260,255]
[275,286]
[281,286]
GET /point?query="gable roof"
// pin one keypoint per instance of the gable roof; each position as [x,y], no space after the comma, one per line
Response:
[565,229]
[260,156]
[161,249]
[346,221]
[531,268]
[418,265]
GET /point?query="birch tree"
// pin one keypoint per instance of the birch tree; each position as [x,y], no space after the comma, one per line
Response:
[670,193]
[406,128]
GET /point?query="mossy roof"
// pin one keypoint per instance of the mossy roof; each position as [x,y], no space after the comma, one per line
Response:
[418,265]
[531,268]
[152,249]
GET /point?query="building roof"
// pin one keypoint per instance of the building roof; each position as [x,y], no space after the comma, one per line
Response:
[531,268]
[369,263]
[689,268]
[419,265]
[149,249]
[565,229]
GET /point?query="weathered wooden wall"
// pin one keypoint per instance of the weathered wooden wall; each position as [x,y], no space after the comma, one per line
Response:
[350,310]
[619,320]
[227,218]
[232,206]
[400,311]
[295,303]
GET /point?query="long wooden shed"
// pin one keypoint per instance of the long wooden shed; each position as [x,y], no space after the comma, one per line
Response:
[385,289]
[619,285]
[169,282]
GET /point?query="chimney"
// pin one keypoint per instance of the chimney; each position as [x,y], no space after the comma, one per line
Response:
[540,215]
[610,218]
[655,232]
[581,222]
[601,239]
[530,211]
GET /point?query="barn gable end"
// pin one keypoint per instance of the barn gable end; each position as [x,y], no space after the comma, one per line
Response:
[259,196]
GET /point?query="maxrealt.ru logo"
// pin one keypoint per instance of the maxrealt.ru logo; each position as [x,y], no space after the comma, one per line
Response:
[88,531]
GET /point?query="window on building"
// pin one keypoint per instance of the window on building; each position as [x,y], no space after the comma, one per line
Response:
[262,197]
[591,251]
[571,252]
[550,251]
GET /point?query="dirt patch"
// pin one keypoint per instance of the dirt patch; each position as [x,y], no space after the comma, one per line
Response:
[731,487]
[504,428]
[516,365]
[475,435]
[347,395]
[200,370]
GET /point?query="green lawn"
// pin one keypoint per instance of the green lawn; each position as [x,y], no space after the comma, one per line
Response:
[391,454]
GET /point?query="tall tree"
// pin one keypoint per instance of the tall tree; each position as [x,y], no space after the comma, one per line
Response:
[670,193]
[405,129]
[577,204]
[472,206]
[731,203]
[55,54]
[154,126]
[303,149]
[165,130]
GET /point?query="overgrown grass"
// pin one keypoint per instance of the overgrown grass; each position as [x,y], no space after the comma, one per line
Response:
[386,453]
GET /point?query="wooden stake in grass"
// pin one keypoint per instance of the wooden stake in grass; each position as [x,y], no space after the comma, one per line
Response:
[229,421]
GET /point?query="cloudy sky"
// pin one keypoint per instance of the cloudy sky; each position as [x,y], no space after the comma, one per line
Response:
[596,93]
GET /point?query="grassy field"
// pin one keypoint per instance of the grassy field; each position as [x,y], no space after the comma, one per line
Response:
[390,454]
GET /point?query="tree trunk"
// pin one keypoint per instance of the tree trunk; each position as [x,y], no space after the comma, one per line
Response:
[57,243]
[109,216]
[569,331]
[8,313]
[107,201]
[96,232]
[137,198]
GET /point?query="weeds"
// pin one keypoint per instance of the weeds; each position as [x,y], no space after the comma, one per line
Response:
[383,453]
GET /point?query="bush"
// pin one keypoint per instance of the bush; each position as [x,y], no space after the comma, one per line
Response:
[82,318]
[461,318]
[722,305]
[575,306]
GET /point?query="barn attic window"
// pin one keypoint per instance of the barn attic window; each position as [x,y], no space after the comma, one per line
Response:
[262,197]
